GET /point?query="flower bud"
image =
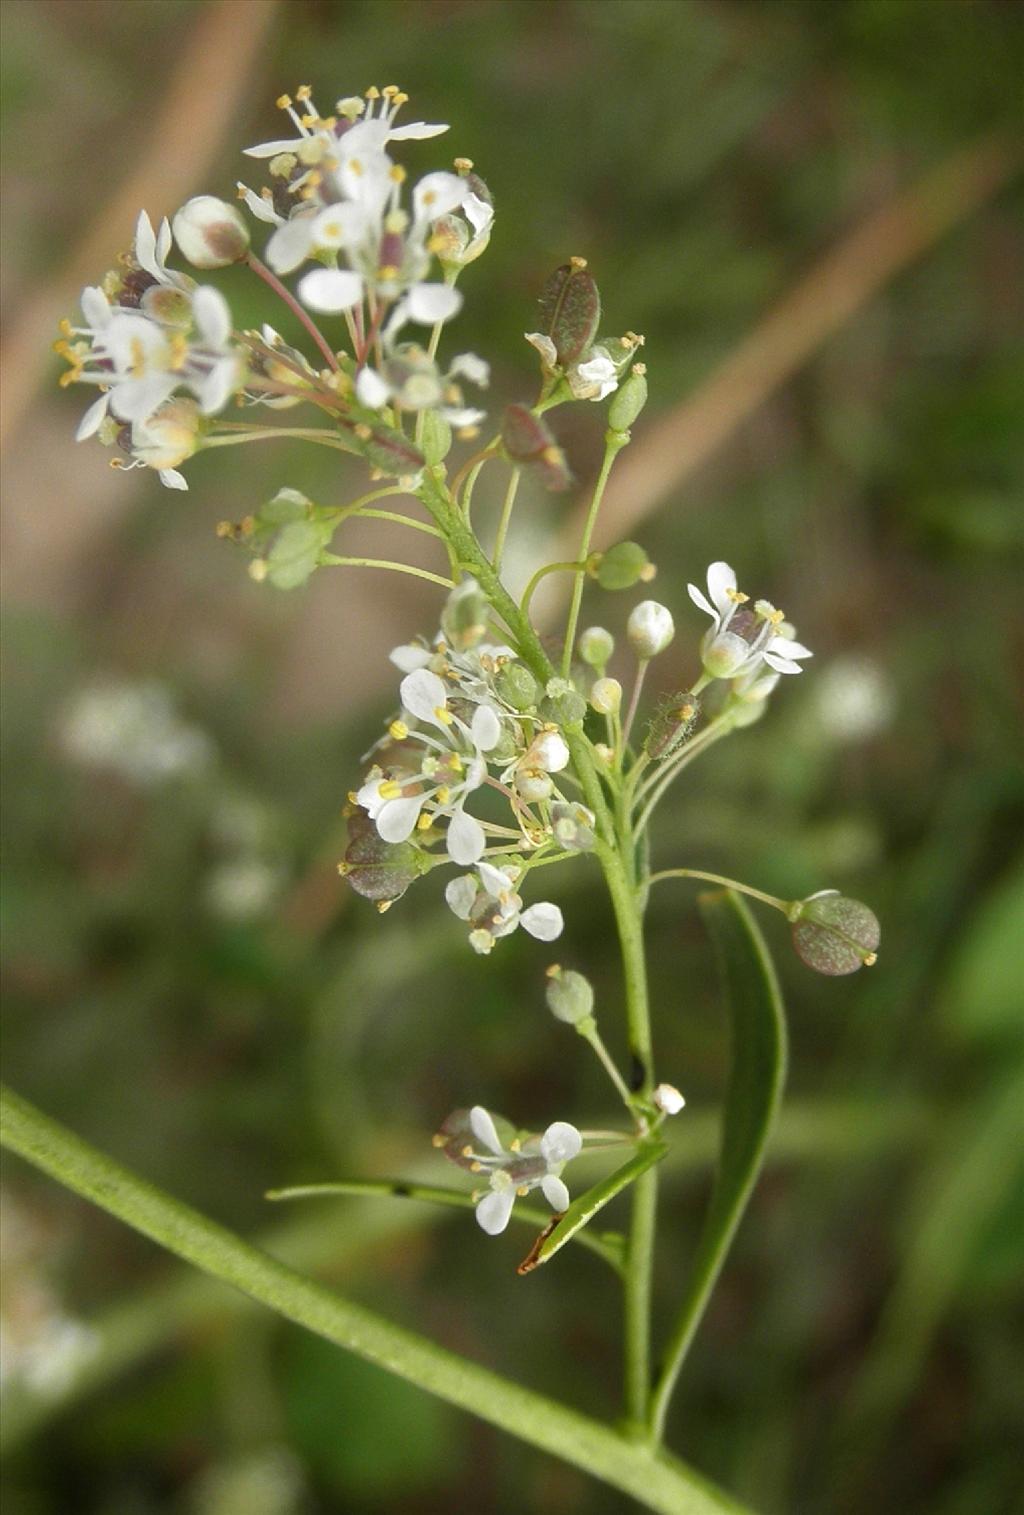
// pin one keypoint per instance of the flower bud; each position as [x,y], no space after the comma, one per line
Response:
[833,934]
[533,784]
[169,436]
[572,826]
[211,233]
[564,704]
[629,399]
[596,646]
[517,686]
[668,1099]
[570,996]
[650,629]
[548,752]
[606,696]
[623,565]
[464,617]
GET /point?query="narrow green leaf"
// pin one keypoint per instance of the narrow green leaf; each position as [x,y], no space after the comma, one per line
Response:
[582,1210]
[756,1077]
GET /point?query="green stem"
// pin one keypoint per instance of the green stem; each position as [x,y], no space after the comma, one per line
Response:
[729,883]
[268,433]
[542,573]
[613,444]
[297,310]
[660,1484]
[506,516]
[332,560]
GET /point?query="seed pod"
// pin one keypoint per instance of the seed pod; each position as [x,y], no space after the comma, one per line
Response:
[570,996]
[623,565]
[833,934]
[376,869]
[528,440]
[629,399]
[383,446]
[570,310]
[517,686]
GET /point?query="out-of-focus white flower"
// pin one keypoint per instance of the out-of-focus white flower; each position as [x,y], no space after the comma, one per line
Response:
[471,1140]
[135,731]
[740,640]
[242,888]
[853,699]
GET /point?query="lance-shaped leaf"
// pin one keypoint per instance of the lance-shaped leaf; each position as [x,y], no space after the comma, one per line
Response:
[756,1076]
[570,310]
[582,1210]
[528,441]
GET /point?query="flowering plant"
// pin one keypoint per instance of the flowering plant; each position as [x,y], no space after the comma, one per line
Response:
[500,757]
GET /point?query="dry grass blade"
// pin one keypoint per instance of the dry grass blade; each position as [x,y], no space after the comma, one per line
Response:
[844,280]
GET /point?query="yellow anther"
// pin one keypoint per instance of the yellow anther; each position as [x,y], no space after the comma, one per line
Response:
[344,869]
[476,1167]
[463,165]
[455,763]
[443,715]
[399,730]
[522,1191]
[389,790]
[578,263]
[870,960]
[685,712]
[373,93]
[64,325]
[423,822]
[389,90]
[309,120]
[467,433]
[736,597]
[398,175]
[552,454]
[444,794]
[355,167]
[777,617]
[303,92]
[223,529]
[515,1145]
[467,1150]
[353,797]
[388,271]
[640,368]
[283,101]
[383,906]
[436,244]
[437,1140]
[364,432]
[401,98]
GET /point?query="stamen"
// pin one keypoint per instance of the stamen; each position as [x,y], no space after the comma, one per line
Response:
[389,790]
[399,730]
[443,715]
[736,597]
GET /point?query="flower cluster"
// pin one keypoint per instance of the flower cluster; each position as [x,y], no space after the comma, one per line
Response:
[514,1166]
[147,333]
[741,642]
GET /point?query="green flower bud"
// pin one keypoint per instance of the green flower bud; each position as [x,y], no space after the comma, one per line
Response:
[833,934]
[517,686]
[629,399]
[570,996]
[564,704]
[606,696]
[596,646]
[623,565]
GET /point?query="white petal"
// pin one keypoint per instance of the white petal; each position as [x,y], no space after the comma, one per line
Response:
[95,307]
[560,1143]
[496,882]
[720,579]
[271,149]
[372,390]
[145,245]
[781,665]
[468,366]
[461,418]
[212,315]
[397,819]
[262,209]
[555,1192]
[477,212]
[163,244]
[410,657]
[483,1128]
[90,423]
[789,649]
[172,479]
[342,225]
[460,896]
[437,194]
[215,390]
[465,840]
[423,694]
[428,303]
[331,289]
[415,130]
[290,245]
[493,1211]
[543,921]
[544,345]
[702,603]
[136,399]
[486,728]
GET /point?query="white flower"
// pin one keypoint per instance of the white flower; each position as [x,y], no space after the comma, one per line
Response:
[741,640]
[489,903]
[414,381]
[596,378]
[471,1139]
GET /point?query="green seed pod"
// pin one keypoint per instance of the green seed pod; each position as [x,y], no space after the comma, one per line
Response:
[517,686]
[596,646]
[833,934]
[623,565]
[378,870]
[564,704]
[570,996]
[629,399]
[570,310]
[436,437]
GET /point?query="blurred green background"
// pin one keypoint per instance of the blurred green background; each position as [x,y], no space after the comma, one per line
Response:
[189,984]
